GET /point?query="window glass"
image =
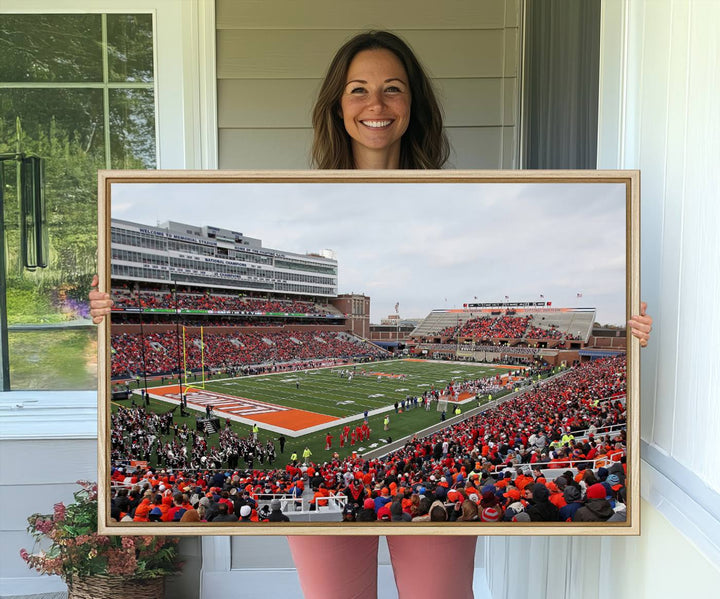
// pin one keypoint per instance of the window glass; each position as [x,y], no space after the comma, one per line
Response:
[37,48]
[132,128]
[130,47]
[62,117]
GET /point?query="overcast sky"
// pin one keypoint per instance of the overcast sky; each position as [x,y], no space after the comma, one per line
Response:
[426,245]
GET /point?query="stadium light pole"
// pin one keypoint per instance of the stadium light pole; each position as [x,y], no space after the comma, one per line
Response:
[142,342]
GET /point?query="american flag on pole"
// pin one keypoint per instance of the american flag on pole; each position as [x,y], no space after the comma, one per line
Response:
[579,294]
[542,296]
[507,297]
[397,307]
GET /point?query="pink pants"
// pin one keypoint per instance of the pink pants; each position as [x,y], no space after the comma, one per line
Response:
[346,567]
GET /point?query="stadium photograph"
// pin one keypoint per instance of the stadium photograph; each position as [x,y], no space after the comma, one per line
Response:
[367,352]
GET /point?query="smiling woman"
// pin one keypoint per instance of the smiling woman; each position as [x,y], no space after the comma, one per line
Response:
[375,78]
[375,108]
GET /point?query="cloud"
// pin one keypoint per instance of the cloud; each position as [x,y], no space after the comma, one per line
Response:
[423,244]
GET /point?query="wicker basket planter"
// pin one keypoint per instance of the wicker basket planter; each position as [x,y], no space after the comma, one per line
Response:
[111,587]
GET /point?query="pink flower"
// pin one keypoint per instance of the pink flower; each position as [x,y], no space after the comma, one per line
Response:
[128,543]
[59,512]
[43,526]
[121,562]
[24,555]
[146,541]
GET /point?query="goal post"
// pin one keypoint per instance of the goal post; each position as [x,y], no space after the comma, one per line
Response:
[186,372]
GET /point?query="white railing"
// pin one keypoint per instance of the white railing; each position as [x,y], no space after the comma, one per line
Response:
[582,435]
[601,462]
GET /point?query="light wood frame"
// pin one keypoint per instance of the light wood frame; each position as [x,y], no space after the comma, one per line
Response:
[630,179]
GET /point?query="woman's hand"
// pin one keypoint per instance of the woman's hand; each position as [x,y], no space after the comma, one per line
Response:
[100,303]
[641,325]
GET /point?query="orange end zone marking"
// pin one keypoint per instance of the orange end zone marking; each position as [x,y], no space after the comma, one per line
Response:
[462,397]
[387,374]
[243,407]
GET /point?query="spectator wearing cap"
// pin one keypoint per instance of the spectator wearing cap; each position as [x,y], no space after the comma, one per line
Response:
[155,515]
[556,495]
[367,513]
[573,503]
[613,481]
[142,511]
[514,504]
[540,509]
[245,514]
[597,508]
[320,498]
[384,512]
[382,499]
[355,493]
[491,514]
[161,505]
[488,499]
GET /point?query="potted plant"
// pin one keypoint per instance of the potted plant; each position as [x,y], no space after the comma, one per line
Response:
[95,566]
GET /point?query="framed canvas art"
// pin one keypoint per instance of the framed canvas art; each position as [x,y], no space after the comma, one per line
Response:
[425,352]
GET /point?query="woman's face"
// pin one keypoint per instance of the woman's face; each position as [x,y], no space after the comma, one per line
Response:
[375,104]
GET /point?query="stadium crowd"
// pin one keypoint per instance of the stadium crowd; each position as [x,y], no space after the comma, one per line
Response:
[212,302]
[487,468]
[158,353]
[504,327]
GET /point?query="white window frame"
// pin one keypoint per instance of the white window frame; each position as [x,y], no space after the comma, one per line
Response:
[186,138]
[185,79]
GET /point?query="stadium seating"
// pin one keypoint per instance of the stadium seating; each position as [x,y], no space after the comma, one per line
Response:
[214,302]
[161,352]
[575,418]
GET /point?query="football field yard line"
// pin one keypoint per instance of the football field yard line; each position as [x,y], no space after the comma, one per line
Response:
[322,390]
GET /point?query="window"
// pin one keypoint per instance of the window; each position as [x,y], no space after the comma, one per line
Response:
[77,90]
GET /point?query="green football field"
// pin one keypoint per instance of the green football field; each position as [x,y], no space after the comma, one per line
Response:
[325,391]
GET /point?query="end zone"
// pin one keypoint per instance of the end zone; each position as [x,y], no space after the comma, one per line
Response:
[279,419]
